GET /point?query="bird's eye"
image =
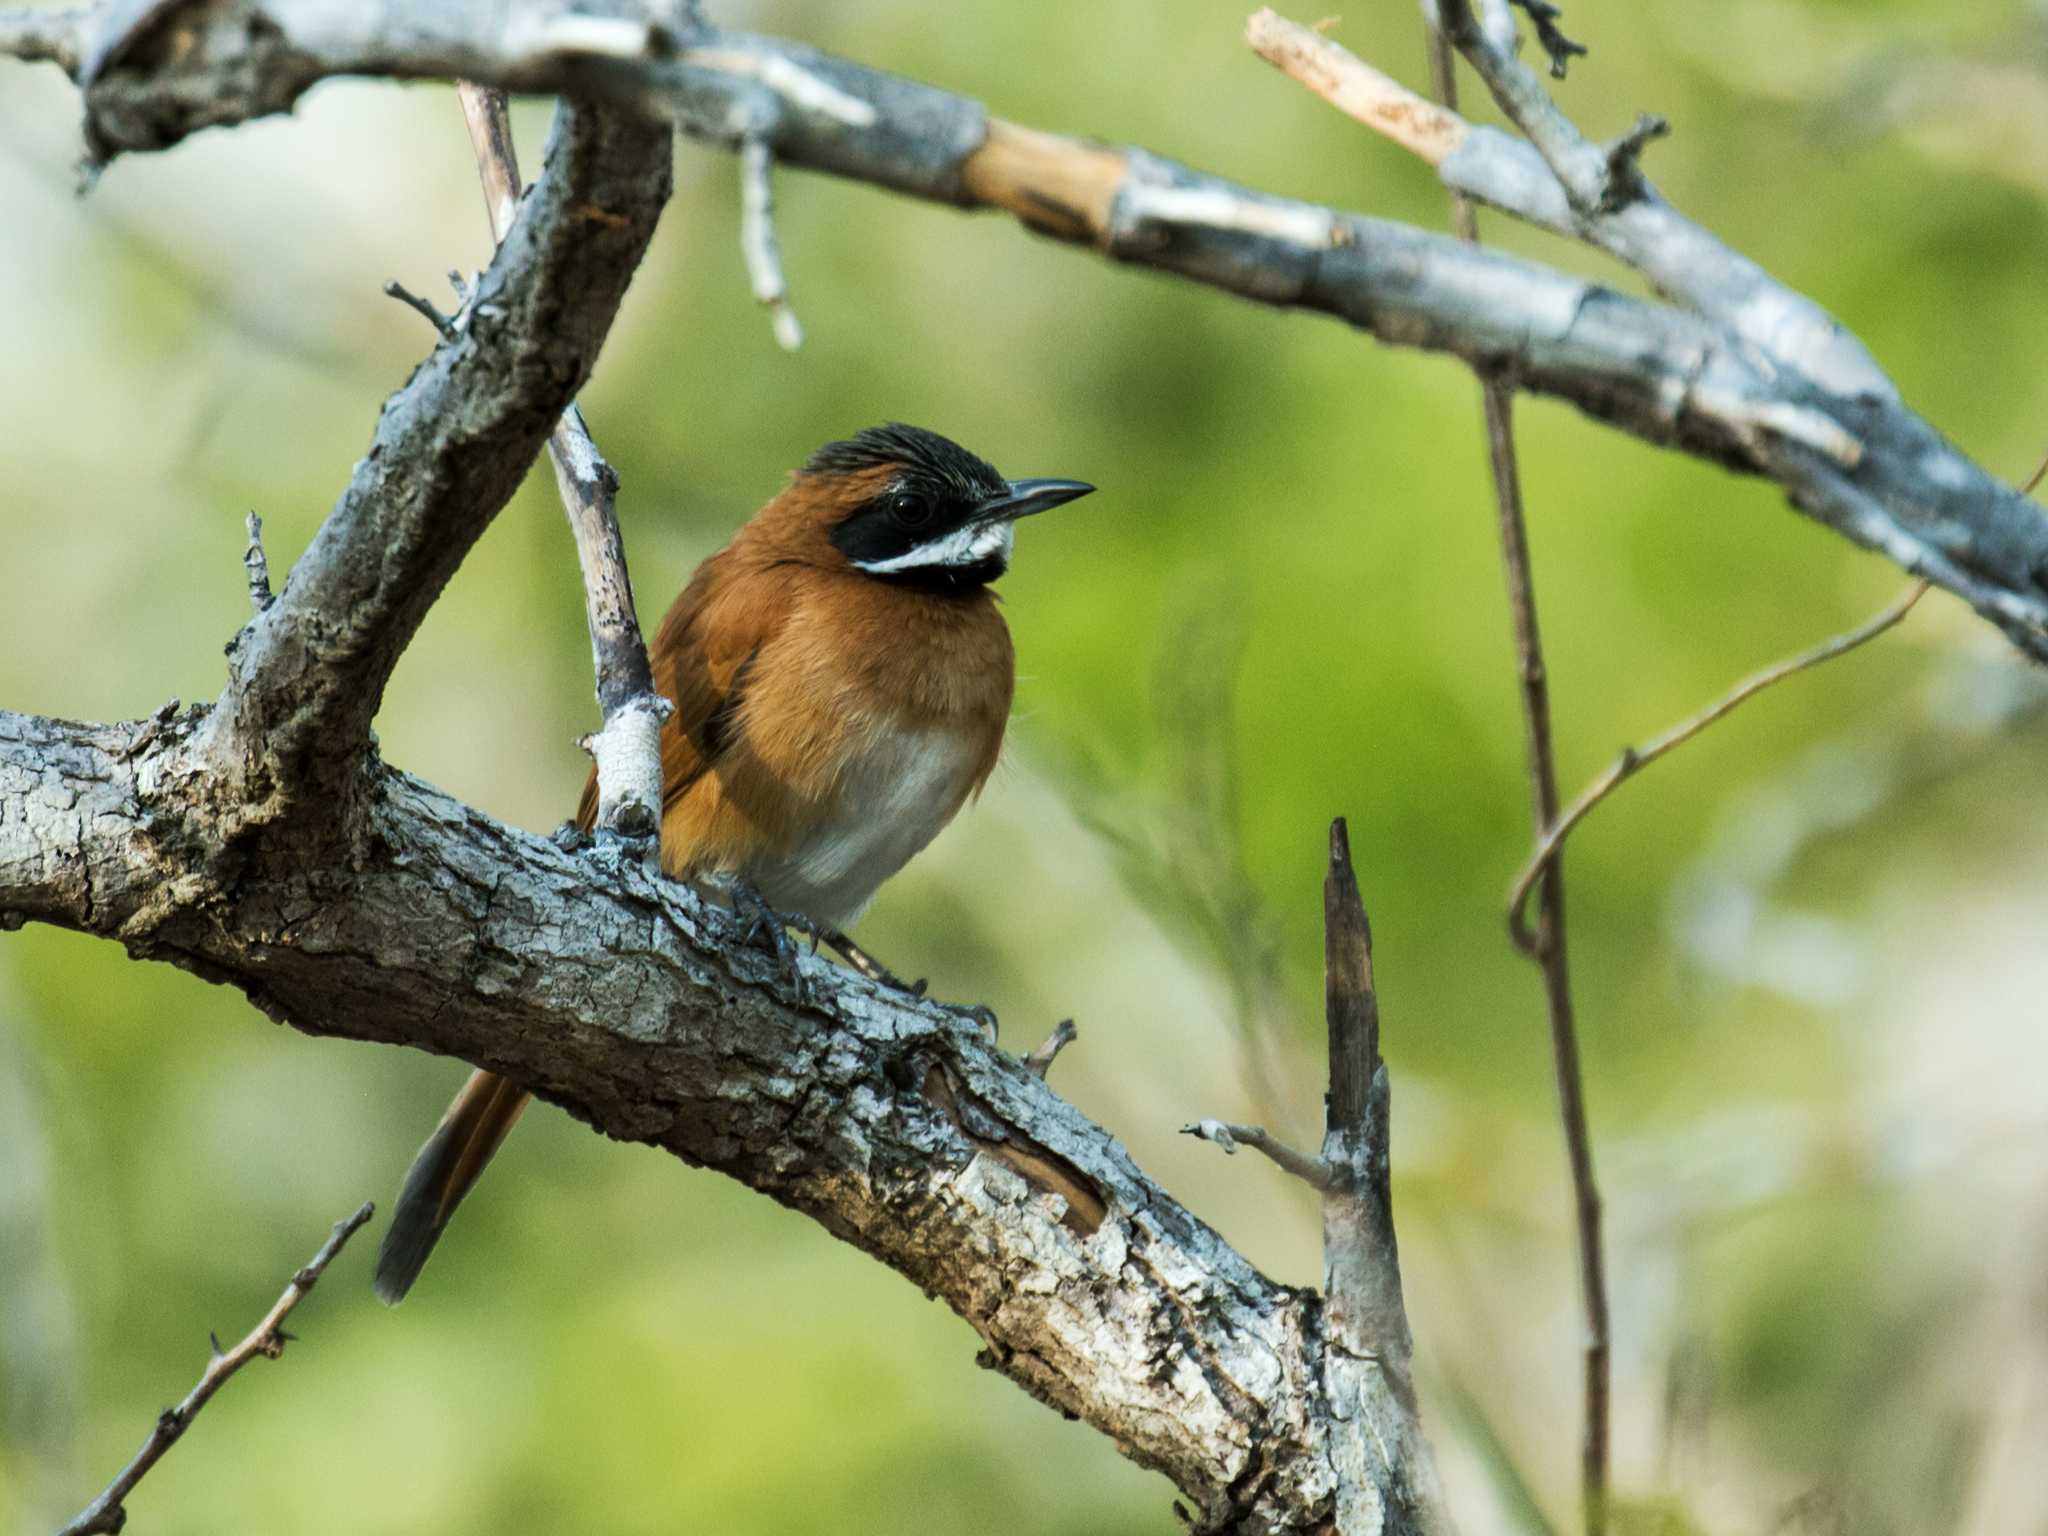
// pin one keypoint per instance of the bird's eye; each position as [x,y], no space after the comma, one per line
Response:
[909,508]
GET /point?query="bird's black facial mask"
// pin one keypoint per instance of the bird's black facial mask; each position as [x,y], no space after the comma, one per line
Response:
[944,520]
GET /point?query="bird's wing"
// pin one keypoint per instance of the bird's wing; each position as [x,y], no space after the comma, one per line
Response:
[701,656]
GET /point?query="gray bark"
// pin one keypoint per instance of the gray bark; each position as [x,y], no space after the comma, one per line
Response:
[260,843]
[635,1006]
[1759,379]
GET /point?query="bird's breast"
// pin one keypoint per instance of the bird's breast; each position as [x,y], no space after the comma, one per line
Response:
[895,792]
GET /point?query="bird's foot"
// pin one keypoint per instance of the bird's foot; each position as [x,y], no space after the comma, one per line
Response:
[980,1015]
[868,965]
[761,925]
[882,976]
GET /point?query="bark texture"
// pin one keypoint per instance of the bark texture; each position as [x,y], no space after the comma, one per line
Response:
[1740,370]
[636,1006]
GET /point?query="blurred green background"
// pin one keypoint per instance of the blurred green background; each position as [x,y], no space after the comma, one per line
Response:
[1809,950]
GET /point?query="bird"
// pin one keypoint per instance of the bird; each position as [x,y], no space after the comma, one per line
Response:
[841,679]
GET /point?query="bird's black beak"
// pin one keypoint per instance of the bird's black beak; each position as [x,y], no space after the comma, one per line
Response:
[1022,498]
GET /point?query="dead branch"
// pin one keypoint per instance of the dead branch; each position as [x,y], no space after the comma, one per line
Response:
[1813,413]
[1497,406]
[261,843]
[107,1514]
[627,744]
[451,446]
[1367,1364]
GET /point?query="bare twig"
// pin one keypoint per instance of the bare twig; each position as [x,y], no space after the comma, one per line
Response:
[450,448]
[1634,759]
[1354,87]
[2034,479]
[627,747]
[757,240]
[1229,1136]
[257,564]
[1498,402]
[268,1338]
[1560,48]
[434,317]
[497,162]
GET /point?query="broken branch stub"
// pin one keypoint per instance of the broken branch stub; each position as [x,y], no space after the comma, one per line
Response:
[1361,1263]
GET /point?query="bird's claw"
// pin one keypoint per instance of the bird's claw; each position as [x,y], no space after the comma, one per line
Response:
[979,1014]
[762,925]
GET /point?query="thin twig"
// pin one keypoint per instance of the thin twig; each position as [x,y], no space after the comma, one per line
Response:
[1634,759]
[1498,397]
[1228,1135]
[435,318]
[1560,48]
[757,240]
[627,746]
[1039,1062]
[1355,88]
[2034,479]
[267,1338]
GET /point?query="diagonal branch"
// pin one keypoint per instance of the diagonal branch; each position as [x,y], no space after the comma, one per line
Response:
[1634,759]
[107,1514]
[632,1003]
[308,673]
[1682,261]
[627,744]
[1760,379]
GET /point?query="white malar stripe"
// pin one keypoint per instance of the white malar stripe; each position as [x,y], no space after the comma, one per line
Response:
[963,546]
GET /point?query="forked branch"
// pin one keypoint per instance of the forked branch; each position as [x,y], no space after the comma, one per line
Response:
[1813,412]
[627,745]
[1634,759]
[1366,1371]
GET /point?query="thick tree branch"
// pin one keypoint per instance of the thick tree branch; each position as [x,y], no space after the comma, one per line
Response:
[406,917]
[1618,211]
[1826,426]
[635,1005]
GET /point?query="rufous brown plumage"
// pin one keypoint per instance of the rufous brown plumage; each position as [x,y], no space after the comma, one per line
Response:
[841,679]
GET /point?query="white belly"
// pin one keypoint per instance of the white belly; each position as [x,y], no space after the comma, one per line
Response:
[892,800]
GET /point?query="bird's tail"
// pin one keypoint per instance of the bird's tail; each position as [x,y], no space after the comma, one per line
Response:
[441,1175]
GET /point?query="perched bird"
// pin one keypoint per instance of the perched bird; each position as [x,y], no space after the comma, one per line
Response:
[841,681]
